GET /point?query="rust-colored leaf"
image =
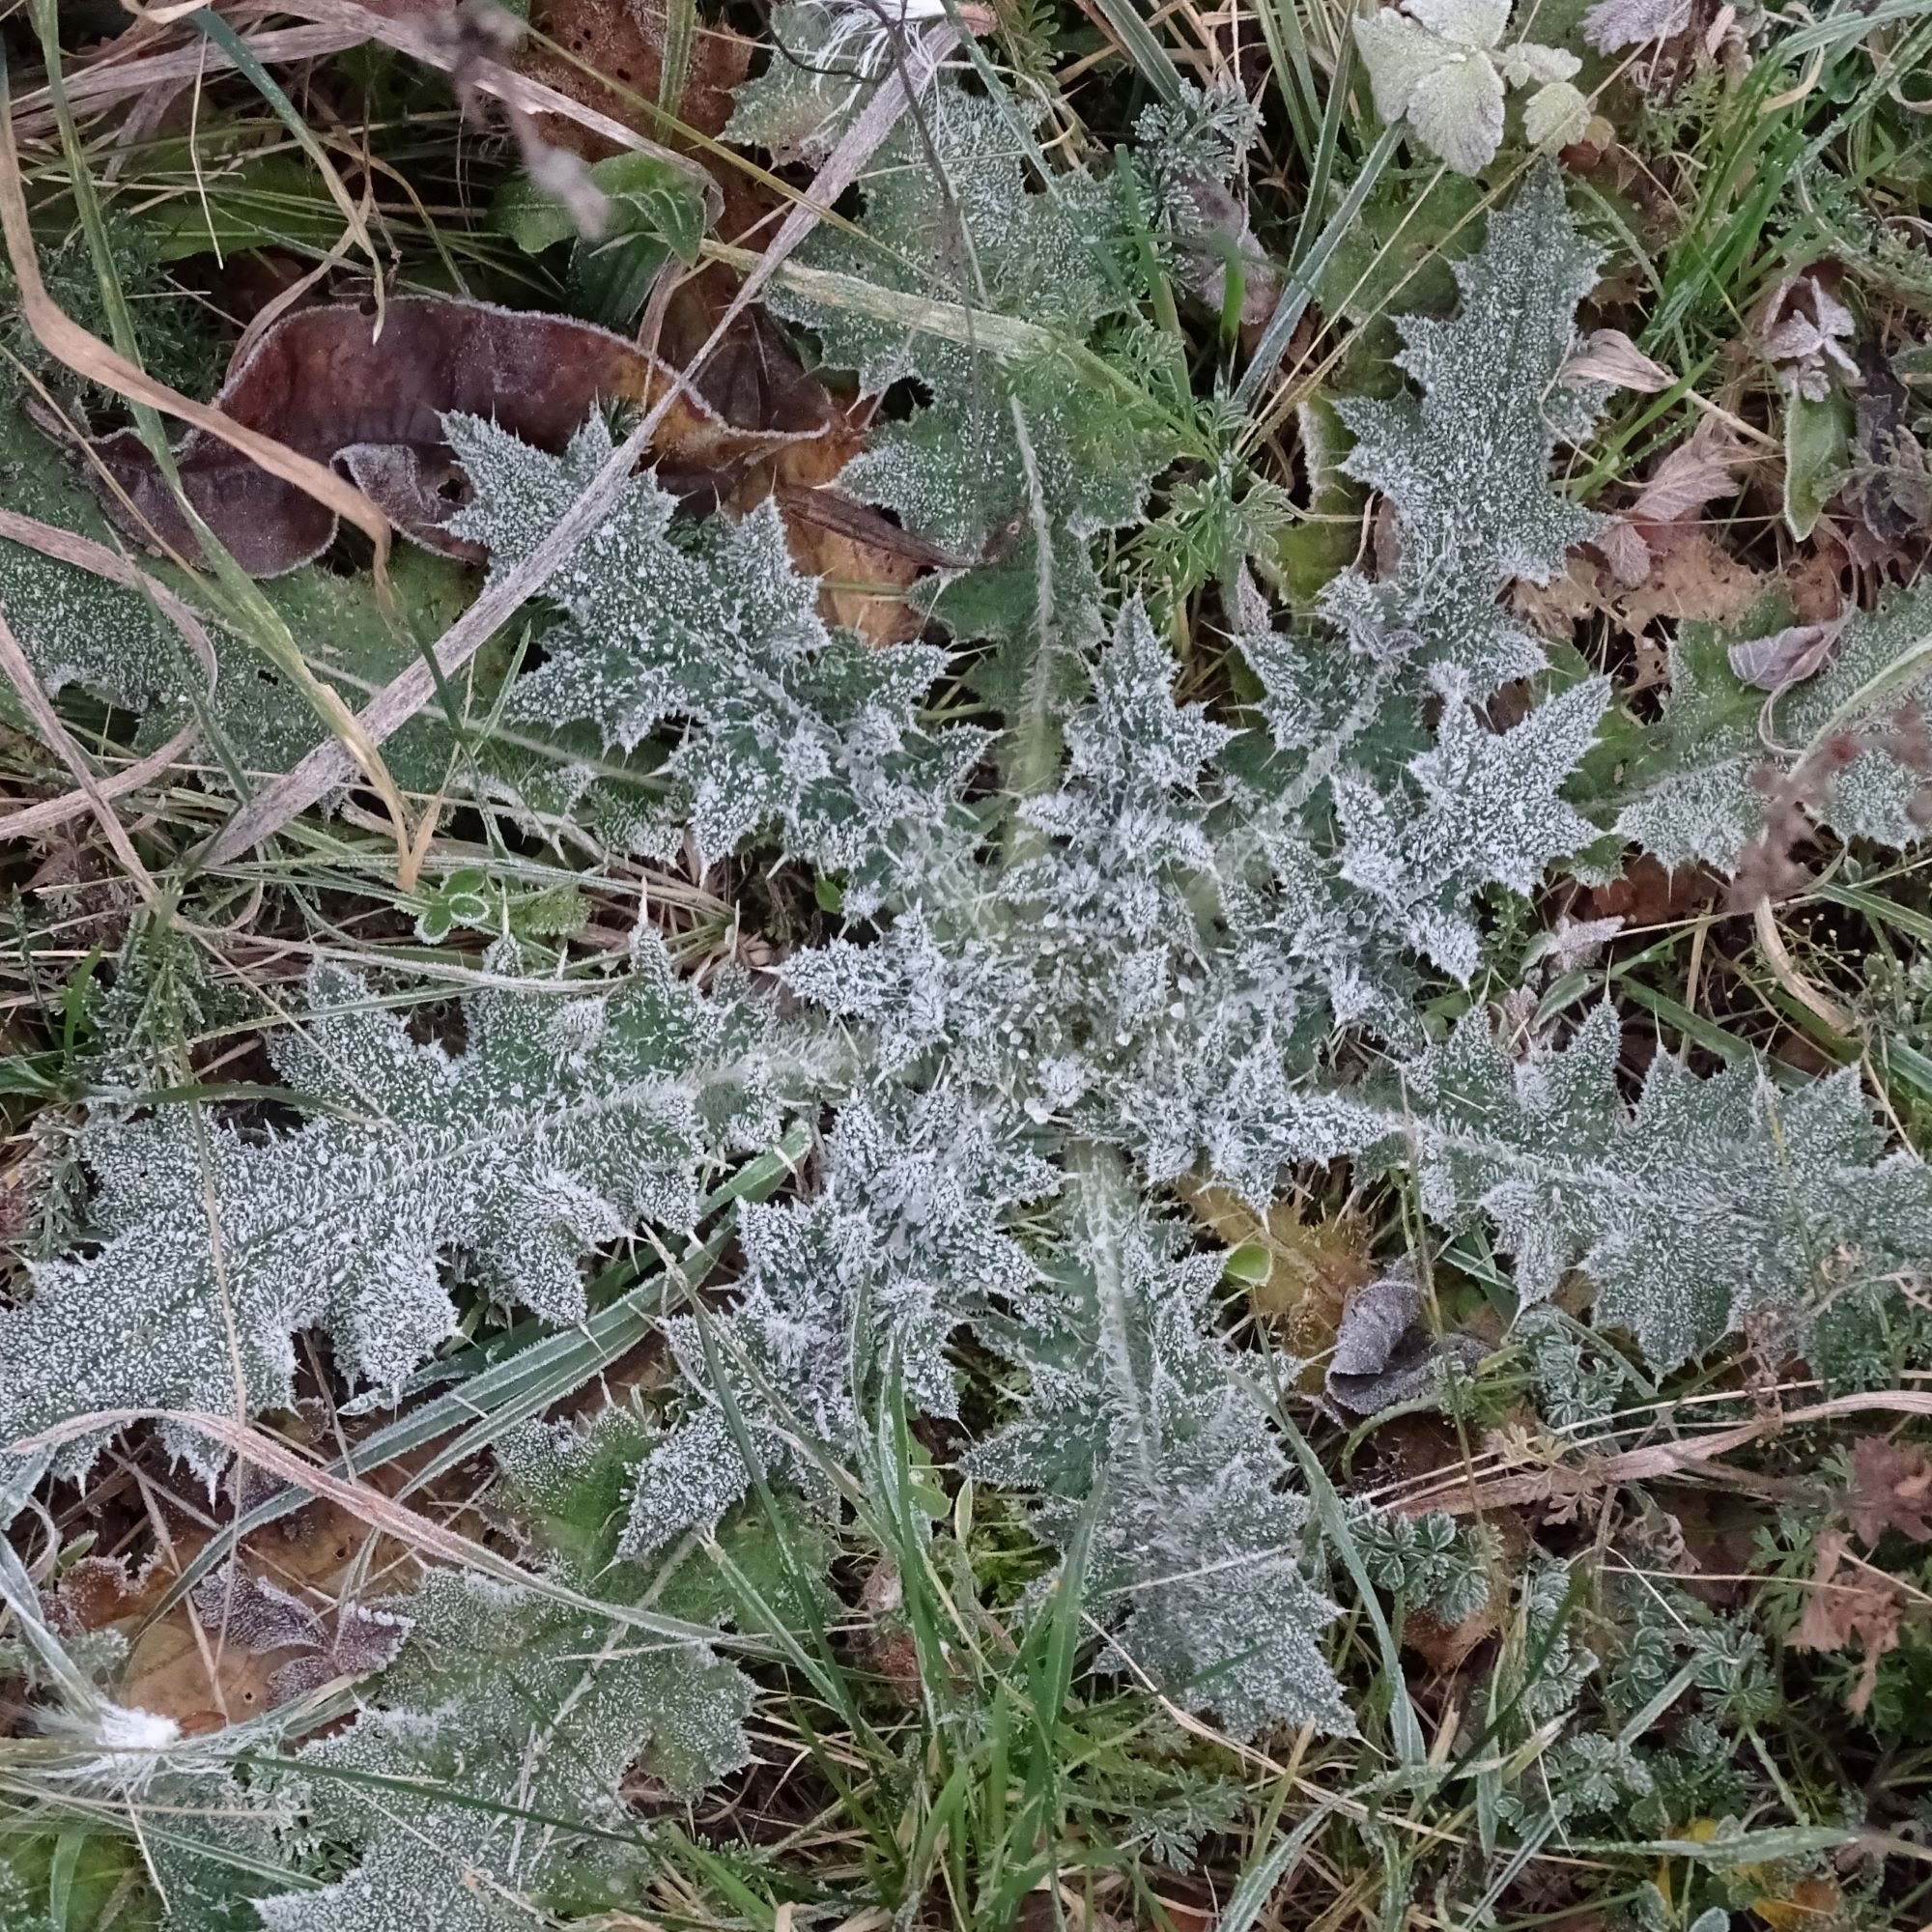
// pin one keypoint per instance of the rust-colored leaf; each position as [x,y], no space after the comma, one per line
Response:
[1702,468]
[1311,1266]
[1446,1646]
[1810,1905]
[1647,894]
[1891,1489]
[279,1620]
[324,382]
[614,48]
[1864,1607]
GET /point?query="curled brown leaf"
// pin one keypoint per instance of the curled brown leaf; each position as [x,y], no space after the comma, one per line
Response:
[332,384]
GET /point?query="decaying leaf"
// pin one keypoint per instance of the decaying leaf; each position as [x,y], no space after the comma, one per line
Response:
[1304,1270]
[338,386]
[280,1619]
[1891,1489]
[1864,1607]
[1444,1645]
[1697,579]
[1610,355]
[1611,25]
[245,1611]
[1803,327]
[1786,657]
[1891,471]
[613,56]
[1699,471]
[1383,1353]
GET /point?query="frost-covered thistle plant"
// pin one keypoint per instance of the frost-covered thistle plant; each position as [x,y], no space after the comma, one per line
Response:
[1144,927]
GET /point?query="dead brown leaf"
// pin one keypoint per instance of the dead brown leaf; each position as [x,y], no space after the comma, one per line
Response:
[324,383]
[1444,1646]
[1695,578]
[622,41]
[1555,610]
[1786,657]
[1803,329]
[1610,355]
[1648,895]
[1810,1905]
[229,1649]
[1869,1609]
[1699,471]
[1891,1489]
[1312,1264]
[1814,580]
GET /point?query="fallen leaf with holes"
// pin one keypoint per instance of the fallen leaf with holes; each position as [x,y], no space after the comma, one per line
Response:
[291,1570]
[1555,610]
[1890,1489]
[240,1611]
[324,382]
[1306,1270]
[612,58]
[1865,1608]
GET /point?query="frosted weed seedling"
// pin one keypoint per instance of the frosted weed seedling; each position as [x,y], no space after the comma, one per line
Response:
[739,1217]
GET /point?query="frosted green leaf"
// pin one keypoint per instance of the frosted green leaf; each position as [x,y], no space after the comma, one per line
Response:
[866,1283]
[1555,115]
[1001,444]
[76,628]
[1467,464]
[1130,1396]
[1697,787]
[1490,813]
[705,625]
[1527,62]
[1093,963]
[1457,111]
[564,1123]
[825,66]
[1435,64]
[529,1714]
[1711,1200]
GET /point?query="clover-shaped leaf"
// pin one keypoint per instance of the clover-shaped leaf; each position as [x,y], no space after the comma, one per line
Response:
[1437,65]
[463,900]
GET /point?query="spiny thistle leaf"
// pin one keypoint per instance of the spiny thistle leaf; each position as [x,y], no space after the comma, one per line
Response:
[788,728]
[564,1123]
[1709,1200]
[483,1782]
[1004,453]
[867,1281]
[1467,464]
[1133,1414]
[1700,788]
